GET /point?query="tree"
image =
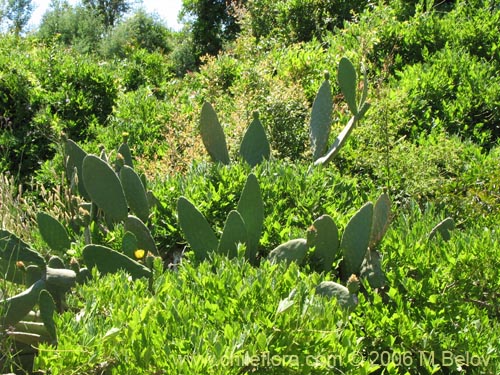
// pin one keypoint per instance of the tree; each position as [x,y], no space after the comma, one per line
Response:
[18,12]
[213,23]
[110,10]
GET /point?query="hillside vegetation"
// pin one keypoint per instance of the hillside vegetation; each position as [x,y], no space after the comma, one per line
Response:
[136,223]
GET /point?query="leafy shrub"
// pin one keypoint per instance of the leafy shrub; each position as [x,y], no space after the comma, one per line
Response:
[141,30]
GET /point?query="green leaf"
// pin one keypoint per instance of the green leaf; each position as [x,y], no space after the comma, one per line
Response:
[47,310]
[251,209]
[355,241]
[347,82]
[290,251]
[321,119]
[255,146]
[198,232]
[135,192]
[145,240]
[53,232]
[13,249]
[381,220]
[323,235]
[234,232]
[212,135]
[110,261]
[104,188]
[444,228]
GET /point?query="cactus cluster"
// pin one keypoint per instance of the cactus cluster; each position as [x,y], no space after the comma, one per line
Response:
[356,250]
[254,147]
[115,194]
[321,114]
[242,226]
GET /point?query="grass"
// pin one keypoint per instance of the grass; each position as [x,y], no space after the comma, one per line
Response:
[438,314]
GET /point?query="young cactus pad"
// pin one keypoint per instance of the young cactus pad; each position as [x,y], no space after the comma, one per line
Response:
[198,232]
[13,249]
[134,192]
[110,261]
[251,209]
[74,155]
[17,307]
[142,234]
[331,289]
[323,235]
[234,233]
[321,119]
[53,232]
[290,251]
[255,147]
[371,269]
[347,82]
[355,241]
[444,228]
[381,220]
[104,188]
[212,135]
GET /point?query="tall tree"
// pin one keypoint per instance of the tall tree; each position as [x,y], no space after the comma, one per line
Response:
[18,12]
[110,10]
[213,22]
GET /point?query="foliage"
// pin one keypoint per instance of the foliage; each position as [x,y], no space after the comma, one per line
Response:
[141,30]
[111,11]
[17,12]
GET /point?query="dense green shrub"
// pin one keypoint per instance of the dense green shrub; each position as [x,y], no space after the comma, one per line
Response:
[141,30]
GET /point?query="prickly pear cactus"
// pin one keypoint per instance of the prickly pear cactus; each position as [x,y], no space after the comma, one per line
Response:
[371,269]
[135,192]
[381,220]
[197,231]
[330,289]
[17,307]
[321,118]
[53,232]
[251,209]
[74,156]
[355,241]
[255,146]
[142,234]
[444,228]
[347,82]
[323,235]
[290,251]
[104,188]
[234,232]
[212,135]
[110,261]
[13,249]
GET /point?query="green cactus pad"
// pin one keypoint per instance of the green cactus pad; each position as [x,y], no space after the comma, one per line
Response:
[255,147]
[60,280]
[381,220]
[135,193]
[110,261]
[321,120]
[124,151]
[144,238]
[10,272]
[355,241]
[13,249]
[198,232]
[371,269]
[290,251]
[212,135]
[234,232]
[47,310]
[15,308]
[129,244]
[347,82]
[251,209]
[104,188]
[323,235]
[74,159]
[55,262]
[331,289]
[444,228]
[53,232]
[343,136]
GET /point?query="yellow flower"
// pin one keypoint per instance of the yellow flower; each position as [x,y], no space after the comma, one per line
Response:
[139,253]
